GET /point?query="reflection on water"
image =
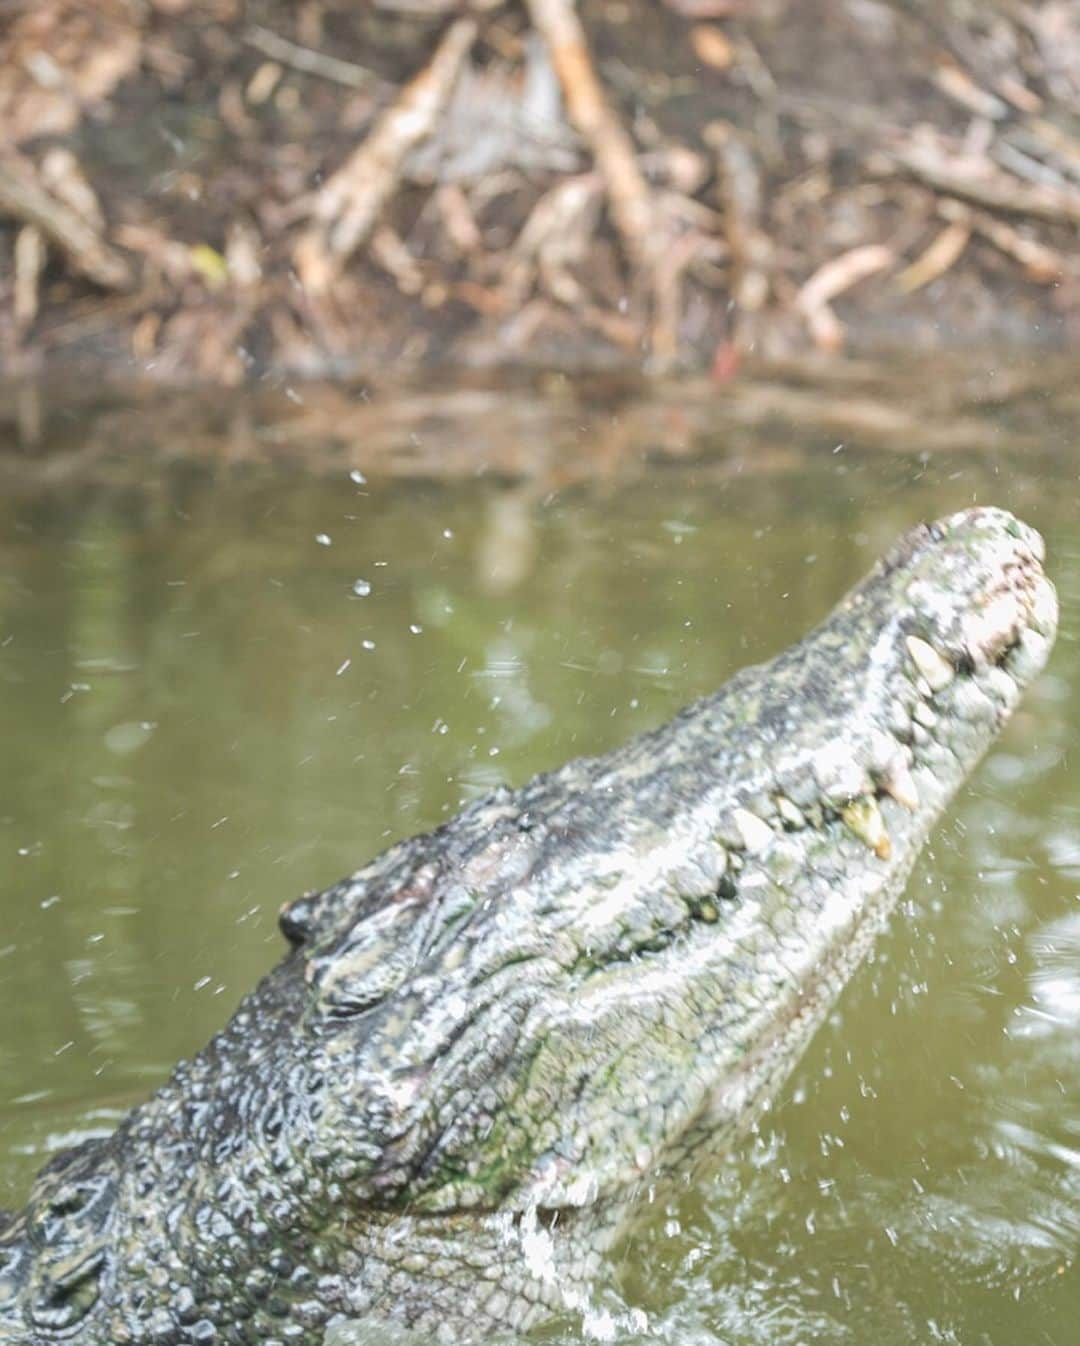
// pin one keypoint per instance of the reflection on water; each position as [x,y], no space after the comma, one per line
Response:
[224,686]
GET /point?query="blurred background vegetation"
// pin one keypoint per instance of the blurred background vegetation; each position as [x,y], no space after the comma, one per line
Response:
[214,189]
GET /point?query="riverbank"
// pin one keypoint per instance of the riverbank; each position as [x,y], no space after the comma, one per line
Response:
[210,191]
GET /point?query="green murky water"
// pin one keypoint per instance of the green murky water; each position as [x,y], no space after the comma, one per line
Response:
[233,682]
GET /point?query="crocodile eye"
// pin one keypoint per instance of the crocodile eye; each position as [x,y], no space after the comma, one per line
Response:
[82,1199]
[349,985]
[66,1294]
[68,1239]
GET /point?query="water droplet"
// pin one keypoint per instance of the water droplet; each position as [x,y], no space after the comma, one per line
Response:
[357,477]
[416,630]
[361,588]
[323,539]
[368,644]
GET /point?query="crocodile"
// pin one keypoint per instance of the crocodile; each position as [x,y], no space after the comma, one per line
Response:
[482,1048]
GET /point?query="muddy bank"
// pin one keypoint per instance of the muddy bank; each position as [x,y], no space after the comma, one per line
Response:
[211,190]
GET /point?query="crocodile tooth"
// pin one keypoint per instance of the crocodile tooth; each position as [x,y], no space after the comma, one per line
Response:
[838,774]
[756,835]
[937,670]
[864,818]
[900,784]
[897,720]
[881,749]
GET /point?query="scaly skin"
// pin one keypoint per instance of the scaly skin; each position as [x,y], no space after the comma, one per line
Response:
[443,1101]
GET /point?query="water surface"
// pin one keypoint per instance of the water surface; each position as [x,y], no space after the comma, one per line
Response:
[225,681]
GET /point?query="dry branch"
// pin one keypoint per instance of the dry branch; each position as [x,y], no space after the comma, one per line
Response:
[29,264]
[1042,264]
[23,196]
[611,146]
[976,179]
[832,279]
[742,194]
[348,206]
[310,62]
[942,253]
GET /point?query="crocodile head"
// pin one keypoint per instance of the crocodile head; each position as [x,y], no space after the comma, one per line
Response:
[441,1104]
